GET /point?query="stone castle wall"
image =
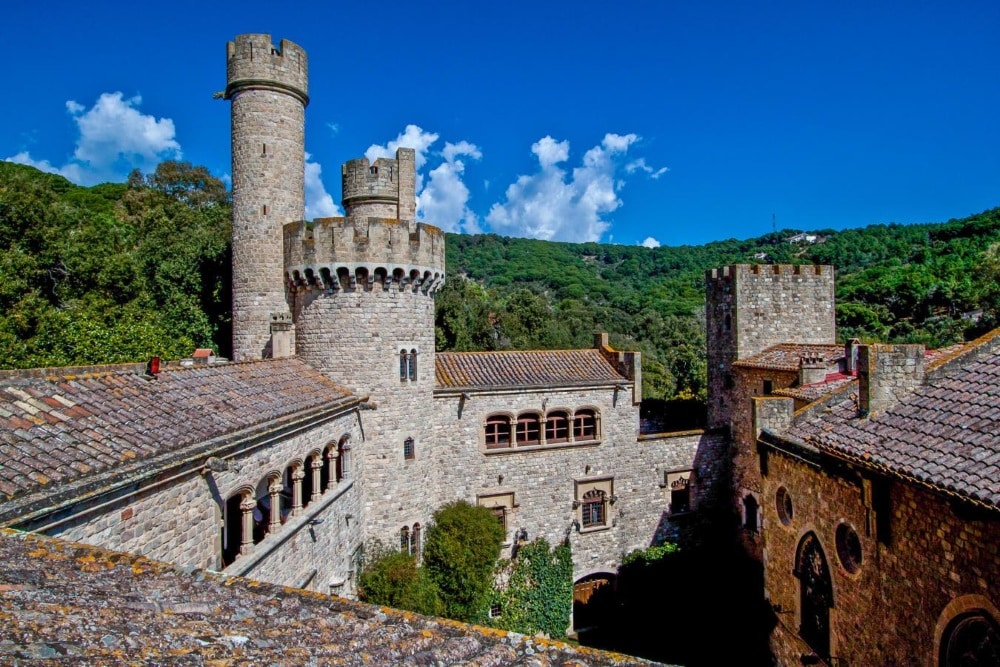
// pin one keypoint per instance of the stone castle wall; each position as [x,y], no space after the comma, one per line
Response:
[544,479]
[933,556]
[385,189]
[268,89]
[180,521]
[752,307]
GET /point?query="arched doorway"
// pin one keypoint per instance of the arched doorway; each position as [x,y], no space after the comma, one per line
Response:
[594,601]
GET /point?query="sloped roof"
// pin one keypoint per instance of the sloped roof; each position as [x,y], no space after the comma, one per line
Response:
[78,604]
[946,434]
[57,429]
[532,368]
[816,390]
[786,356]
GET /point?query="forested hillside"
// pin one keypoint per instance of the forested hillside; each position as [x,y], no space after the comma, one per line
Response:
[121,272]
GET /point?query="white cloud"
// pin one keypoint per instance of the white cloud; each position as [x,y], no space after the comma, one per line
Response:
[640,165]
[319,203]
[443,200]
[554,204]
[115,137]
[650,242]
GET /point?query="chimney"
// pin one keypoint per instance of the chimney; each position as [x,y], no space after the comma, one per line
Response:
[886,375]
[851,355]
[812,368]
[600,340]
[281,335]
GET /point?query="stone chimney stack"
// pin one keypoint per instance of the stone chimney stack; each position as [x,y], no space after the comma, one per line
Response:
[886,375]
[812,369]
[851,355]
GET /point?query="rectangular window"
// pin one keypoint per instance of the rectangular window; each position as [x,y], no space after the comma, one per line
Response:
[592,498]
[585,425]
[528,430]
[679,488]
[409,452]
[556,427]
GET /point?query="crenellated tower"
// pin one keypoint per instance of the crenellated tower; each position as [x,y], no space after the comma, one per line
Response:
[362,294]
[268,87]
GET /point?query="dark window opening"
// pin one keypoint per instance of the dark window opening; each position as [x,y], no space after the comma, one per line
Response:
[409,452]
[557,427]
[501,514]
[415,541]
[815,595]
[404,366]
[412,366]
[497,432]
[528,430]
[971,640]
[750,507]
[680,496]
[593,509]
[404,539]
[232,529]
[585,425]
[768,387]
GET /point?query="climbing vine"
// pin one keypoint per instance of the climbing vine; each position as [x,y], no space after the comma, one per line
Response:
[533,592]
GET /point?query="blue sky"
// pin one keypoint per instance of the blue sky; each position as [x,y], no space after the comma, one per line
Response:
[666,122]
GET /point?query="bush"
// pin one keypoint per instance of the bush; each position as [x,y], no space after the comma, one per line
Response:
[461,548]
[392,578]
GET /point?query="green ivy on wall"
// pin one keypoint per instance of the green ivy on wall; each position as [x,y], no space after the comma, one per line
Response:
[534,590]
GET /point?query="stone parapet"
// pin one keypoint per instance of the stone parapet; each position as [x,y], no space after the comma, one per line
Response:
[343,254]
[254,62]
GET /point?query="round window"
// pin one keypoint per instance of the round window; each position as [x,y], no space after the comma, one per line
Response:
[848,548]
[783,503]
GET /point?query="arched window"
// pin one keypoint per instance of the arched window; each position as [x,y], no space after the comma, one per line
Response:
[585,425]
[750,507]
[594,509]
[815,594]
[404,366]
[497,431]
[413,366]
[971,640]
[415,541]
[404,539]
[529,431]
[232,529]
[409,451]
[556,427]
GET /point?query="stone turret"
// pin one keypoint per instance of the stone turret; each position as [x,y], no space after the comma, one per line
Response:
[362,293]
[268,88]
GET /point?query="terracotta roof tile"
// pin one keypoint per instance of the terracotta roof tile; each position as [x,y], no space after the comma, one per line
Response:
[947,433]
[533,368]
[786,356]
[69,428]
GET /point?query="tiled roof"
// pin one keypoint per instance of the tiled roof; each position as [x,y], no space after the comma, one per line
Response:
[816,390]
[786,356]
[533,368]
[82,605]
[54,430]
[946,434]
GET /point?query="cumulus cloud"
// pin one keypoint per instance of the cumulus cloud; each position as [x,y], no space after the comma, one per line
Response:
[650,242]
[114,138]
[319,203]
[442,196]
[562,205]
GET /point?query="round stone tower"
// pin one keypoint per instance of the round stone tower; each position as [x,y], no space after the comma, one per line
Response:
[362,290]
[268,88]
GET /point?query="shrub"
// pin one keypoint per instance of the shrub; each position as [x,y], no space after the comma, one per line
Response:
[460,550]
[392,578]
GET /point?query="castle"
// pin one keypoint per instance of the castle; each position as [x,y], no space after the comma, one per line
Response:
[338,422]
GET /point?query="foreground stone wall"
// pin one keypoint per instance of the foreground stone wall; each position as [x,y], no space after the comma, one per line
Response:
[931,556]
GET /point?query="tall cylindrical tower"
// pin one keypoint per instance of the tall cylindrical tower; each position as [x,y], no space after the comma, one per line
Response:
[363,290]
[268,87]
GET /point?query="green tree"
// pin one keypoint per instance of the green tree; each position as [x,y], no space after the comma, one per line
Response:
[460,551]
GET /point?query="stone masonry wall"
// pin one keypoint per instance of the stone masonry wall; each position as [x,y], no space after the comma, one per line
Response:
[268,90]
[765,305]
[354,337]
[935,553]
[385,189]
[543,480]
[181,520]
[887,374]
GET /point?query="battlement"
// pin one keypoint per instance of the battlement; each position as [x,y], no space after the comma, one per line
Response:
[341,253]
[727,273]
[385,188]
[254,63]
